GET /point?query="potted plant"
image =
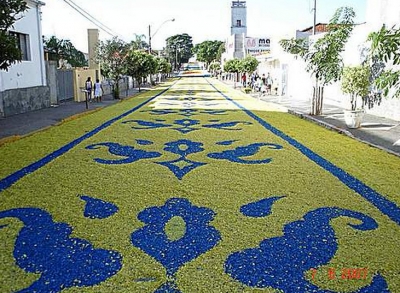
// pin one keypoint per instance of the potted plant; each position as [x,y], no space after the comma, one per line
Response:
[355,82]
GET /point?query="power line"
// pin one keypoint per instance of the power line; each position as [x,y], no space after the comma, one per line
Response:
[87,13]
[93,20]
[89,17]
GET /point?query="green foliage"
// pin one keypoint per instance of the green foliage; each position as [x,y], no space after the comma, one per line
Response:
[140,64]
[324,58]
[111,56]
[10,12]
[355,81]
[298,47]
[139,43]
[221,50]
[385,47]
[215,66]
[164,66]
[207,51]
[249,64]
[232,65]
[247,90]
[64,50]
[179,49]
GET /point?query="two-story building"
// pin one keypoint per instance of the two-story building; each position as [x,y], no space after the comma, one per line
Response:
[23,87]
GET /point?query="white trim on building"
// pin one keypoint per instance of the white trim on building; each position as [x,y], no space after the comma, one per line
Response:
[31,71]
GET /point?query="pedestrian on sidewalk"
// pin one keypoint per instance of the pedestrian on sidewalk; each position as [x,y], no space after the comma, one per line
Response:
[88,88]
[244,79]
[268,82]
[98,90]
[261,87]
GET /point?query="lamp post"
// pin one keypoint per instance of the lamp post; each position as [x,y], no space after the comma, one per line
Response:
[152,35]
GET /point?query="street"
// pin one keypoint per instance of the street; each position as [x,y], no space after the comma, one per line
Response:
[195,187]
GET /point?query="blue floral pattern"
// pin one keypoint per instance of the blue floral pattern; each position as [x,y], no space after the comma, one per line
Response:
[281,262]
[130,153]
[97,208]
[46,248]
[199,236]
[236,155]
[186,125]
[181,166]
[259,209]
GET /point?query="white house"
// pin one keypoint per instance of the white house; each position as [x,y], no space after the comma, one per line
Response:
[297,84]
[23,87]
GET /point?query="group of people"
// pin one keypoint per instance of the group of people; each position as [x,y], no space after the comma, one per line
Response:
[261,84]
[96,89]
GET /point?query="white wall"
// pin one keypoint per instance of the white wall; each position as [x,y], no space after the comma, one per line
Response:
[27,73]
[300,83]
[382,12]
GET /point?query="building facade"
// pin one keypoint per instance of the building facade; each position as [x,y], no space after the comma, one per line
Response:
[296,83]
[23,87]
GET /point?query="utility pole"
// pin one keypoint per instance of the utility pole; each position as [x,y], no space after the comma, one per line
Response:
[150,36]
[315,17]
[149,39]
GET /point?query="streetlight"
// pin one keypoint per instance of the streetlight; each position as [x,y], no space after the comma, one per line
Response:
[152,35]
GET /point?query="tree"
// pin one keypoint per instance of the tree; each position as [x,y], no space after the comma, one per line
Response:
[249,64]
[164,67]
[233,66]
[385,47]
[355,82]
[179,49]
[139,65]
[324,58]
[207,51]
[10,12]
[111,55]
[214,67]
[221,50]
[139,43]
[60,50]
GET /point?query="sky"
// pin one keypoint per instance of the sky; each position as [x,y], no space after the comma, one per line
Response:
[201,19]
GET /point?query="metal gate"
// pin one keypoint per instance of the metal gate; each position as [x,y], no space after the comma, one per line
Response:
[65,84]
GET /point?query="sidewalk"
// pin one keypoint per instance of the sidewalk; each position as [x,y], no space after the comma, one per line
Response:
[376,131]
[25,123]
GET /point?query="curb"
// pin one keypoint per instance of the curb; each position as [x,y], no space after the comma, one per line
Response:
[336,129]
[340,130]
[322,123]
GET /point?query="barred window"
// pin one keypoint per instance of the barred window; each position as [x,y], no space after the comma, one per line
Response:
[23,45]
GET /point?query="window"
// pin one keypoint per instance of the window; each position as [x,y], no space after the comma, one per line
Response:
[238,22]
[23,45]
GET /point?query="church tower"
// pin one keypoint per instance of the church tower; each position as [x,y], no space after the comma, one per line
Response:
[239,18]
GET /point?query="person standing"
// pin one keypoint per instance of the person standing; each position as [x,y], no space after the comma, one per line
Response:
[260,87]
[244,79]
[88,88]
[264,79]
[98,90]
[268,82]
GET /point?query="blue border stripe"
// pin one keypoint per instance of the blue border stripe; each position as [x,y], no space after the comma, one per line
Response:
[13,178]
[386,206]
